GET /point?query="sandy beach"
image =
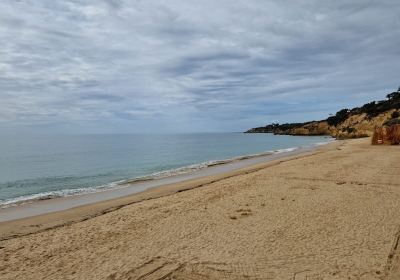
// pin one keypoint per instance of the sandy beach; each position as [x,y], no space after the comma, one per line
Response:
[333,213]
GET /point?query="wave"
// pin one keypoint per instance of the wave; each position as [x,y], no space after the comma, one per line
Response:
[154,176]
[5,203]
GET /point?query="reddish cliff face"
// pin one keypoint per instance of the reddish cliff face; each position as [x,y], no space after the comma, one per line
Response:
[312,128]
[361,125]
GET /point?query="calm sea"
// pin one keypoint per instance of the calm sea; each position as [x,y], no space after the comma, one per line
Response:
[39,167]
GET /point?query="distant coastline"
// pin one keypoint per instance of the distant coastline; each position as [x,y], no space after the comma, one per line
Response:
[358,122]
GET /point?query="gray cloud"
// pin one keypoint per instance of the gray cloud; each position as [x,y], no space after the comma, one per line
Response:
[191,65]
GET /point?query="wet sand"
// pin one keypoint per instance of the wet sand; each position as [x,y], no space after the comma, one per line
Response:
[333,213]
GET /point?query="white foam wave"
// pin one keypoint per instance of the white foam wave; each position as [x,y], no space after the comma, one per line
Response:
[324,143]
[53,194]
[286,150]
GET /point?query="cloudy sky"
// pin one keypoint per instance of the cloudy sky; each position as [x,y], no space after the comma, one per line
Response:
[104,66]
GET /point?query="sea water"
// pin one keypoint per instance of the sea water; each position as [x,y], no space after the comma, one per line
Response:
[42,167]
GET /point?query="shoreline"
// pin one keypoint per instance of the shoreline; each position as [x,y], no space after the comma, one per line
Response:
[185,172]
[49,213]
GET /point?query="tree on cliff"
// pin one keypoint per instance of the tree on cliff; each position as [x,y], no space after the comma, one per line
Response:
[394,95]
[340,117]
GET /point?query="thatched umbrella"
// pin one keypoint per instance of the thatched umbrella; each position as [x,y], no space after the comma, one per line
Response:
[387,135]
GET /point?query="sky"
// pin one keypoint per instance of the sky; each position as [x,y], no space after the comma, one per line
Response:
[126,66]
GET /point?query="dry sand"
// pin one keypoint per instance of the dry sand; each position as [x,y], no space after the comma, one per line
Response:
[331,214]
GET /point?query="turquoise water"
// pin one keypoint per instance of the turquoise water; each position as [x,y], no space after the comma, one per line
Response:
[46,166]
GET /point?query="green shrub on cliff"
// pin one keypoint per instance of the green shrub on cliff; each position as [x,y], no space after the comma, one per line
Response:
[340,117]
[394,95]
[392,122]
[373,109]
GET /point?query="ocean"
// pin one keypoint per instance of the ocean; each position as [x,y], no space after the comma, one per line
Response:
[42,167]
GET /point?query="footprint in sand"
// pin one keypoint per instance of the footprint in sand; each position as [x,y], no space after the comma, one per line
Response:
[242,213]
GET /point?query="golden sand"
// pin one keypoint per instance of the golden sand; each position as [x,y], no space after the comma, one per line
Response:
[330,214]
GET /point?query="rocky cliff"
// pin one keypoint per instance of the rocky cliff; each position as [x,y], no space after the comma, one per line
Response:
[355,123]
